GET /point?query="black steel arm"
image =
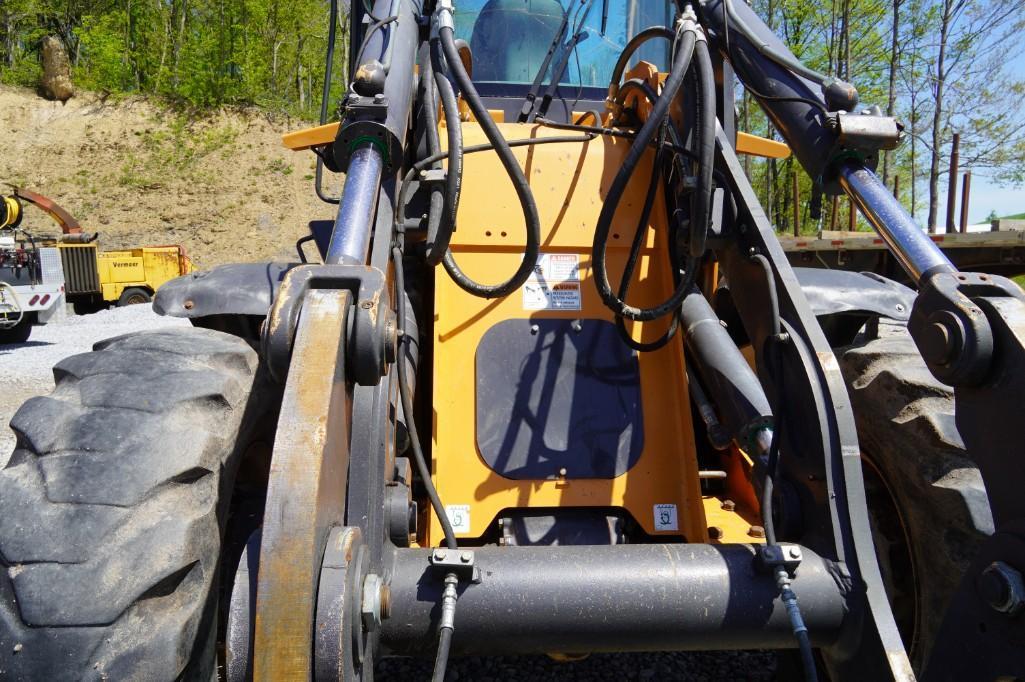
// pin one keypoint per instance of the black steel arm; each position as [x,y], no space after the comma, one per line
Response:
[970,329]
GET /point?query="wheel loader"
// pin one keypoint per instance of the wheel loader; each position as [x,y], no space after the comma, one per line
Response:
[548,386]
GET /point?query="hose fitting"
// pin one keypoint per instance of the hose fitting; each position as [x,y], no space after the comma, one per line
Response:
[448,603]
[444,17]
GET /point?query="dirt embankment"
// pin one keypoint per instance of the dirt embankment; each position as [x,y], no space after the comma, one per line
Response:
[138,173]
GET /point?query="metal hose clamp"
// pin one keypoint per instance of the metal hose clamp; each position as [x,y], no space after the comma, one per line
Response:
[443,17]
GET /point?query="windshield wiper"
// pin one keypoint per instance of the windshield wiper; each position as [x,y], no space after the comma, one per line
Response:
[535,88]
[553,85]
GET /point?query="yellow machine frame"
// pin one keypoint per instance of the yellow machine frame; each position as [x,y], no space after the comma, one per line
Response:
[488,243]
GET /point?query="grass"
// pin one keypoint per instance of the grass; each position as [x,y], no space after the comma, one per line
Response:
[176,149]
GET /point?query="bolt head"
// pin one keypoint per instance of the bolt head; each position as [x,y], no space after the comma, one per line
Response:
[466,557]
[1003,588]
[440,554]
[794,552]
[371,603]
[728,505]
[715,533]
[756,532]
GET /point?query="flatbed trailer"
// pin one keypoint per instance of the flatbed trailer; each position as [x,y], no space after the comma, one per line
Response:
[998,252]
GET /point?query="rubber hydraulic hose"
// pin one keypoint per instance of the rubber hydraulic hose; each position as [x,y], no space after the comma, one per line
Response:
[628,51]
[406,399]
[436,203]
[512,167]
[438,240]
[635,250]
[706,148]
[681,63]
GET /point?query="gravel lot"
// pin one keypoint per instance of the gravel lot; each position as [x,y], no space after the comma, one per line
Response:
[26,371]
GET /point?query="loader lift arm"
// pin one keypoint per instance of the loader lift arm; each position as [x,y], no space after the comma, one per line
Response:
[820,492]
[969,328]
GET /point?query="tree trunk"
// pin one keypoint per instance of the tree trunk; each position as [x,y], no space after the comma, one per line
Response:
[891,101]
[937,118]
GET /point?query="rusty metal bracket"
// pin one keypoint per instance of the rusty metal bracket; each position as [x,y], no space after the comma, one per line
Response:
[306,491]
[371,333]
[340,643]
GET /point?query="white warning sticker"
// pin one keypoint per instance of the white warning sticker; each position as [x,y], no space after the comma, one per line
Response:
[459,517]
[665,517]
[554,284]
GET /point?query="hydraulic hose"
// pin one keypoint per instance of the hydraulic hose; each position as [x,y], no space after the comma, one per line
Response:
[681,63]
[406,398]
[628,52]
[332,26]
[786,592]
[635,250]
[512,167]
[706,147]
[440,228]
[449,597]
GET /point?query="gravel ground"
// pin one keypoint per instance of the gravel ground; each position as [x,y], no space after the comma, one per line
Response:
[693,667]
[26,371]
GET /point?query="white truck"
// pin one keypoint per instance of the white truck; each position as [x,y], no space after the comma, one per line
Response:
[31,285]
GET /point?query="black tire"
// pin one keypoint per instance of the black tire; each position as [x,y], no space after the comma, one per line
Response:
[927,502]
[18,333]
[134,296]
[113,507]
[87,305]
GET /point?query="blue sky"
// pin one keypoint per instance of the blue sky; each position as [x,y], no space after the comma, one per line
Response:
[986,195]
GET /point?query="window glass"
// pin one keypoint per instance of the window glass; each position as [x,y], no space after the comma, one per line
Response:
[510,38]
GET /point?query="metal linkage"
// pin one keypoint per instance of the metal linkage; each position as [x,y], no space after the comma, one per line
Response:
[350,239]
[917,254]
[371,337]
[574,599]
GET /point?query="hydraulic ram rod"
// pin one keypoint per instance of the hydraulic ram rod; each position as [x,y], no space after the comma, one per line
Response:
[917,253]
[789,99]
[576,599]
[350,238]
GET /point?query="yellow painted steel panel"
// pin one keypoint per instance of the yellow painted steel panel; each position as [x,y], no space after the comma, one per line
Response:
[569,182]
[760,146]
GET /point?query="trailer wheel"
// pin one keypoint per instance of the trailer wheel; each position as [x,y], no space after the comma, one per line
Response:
[19,333]
[927,502]
[134,296]
[114,503]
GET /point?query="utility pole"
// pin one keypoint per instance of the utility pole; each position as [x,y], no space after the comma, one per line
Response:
[966,190]
[896,186]
[797,203]
[952,187]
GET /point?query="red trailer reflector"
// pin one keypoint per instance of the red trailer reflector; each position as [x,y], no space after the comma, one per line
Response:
[34,300]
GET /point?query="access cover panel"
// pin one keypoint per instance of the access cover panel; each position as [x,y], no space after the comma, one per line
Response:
[558,394]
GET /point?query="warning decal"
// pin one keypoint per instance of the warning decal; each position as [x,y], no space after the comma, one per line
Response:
[665,517]
[554,284]
[459,517]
